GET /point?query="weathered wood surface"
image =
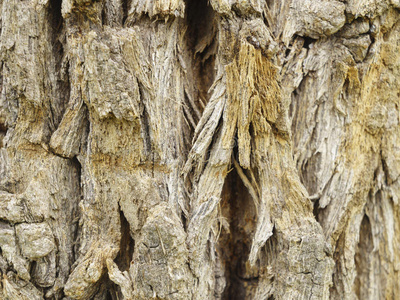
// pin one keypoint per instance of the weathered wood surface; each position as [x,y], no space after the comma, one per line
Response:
[222,149]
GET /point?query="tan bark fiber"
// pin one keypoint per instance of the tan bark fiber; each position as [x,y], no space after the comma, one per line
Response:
[199,149]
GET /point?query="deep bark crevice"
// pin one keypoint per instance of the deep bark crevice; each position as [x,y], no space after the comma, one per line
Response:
[238,207]
[3,132]
[125,10]
[201,40]
[363,258]
[316,209]
[61,92]
[145,127]
[56,19]
[127,245]
[104,16]
[308,42]
[76,232]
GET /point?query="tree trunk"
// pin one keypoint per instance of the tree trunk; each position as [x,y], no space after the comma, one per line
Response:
[199,149]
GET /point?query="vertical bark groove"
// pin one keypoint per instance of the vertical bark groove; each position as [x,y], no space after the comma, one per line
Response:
[222,149]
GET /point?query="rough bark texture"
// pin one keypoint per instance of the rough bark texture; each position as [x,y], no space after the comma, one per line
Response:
[221,149]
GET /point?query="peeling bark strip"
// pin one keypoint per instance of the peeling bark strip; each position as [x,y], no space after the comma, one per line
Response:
[222,149]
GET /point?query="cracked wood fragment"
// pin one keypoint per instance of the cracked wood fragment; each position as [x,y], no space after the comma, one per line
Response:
[222,149]
[157,7]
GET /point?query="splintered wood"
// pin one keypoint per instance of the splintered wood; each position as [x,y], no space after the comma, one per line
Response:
[222,149]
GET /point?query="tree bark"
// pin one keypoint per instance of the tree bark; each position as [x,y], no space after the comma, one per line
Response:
[199,149]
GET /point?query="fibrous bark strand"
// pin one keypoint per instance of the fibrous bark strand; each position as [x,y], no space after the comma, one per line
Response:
[222,149]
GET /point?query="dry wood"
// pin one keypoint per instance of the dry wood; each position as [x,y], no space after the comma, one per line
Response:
[221,149]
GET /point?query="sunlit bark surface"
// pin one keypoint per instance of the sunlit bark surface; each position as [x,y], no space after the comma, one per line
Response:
[199,149]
